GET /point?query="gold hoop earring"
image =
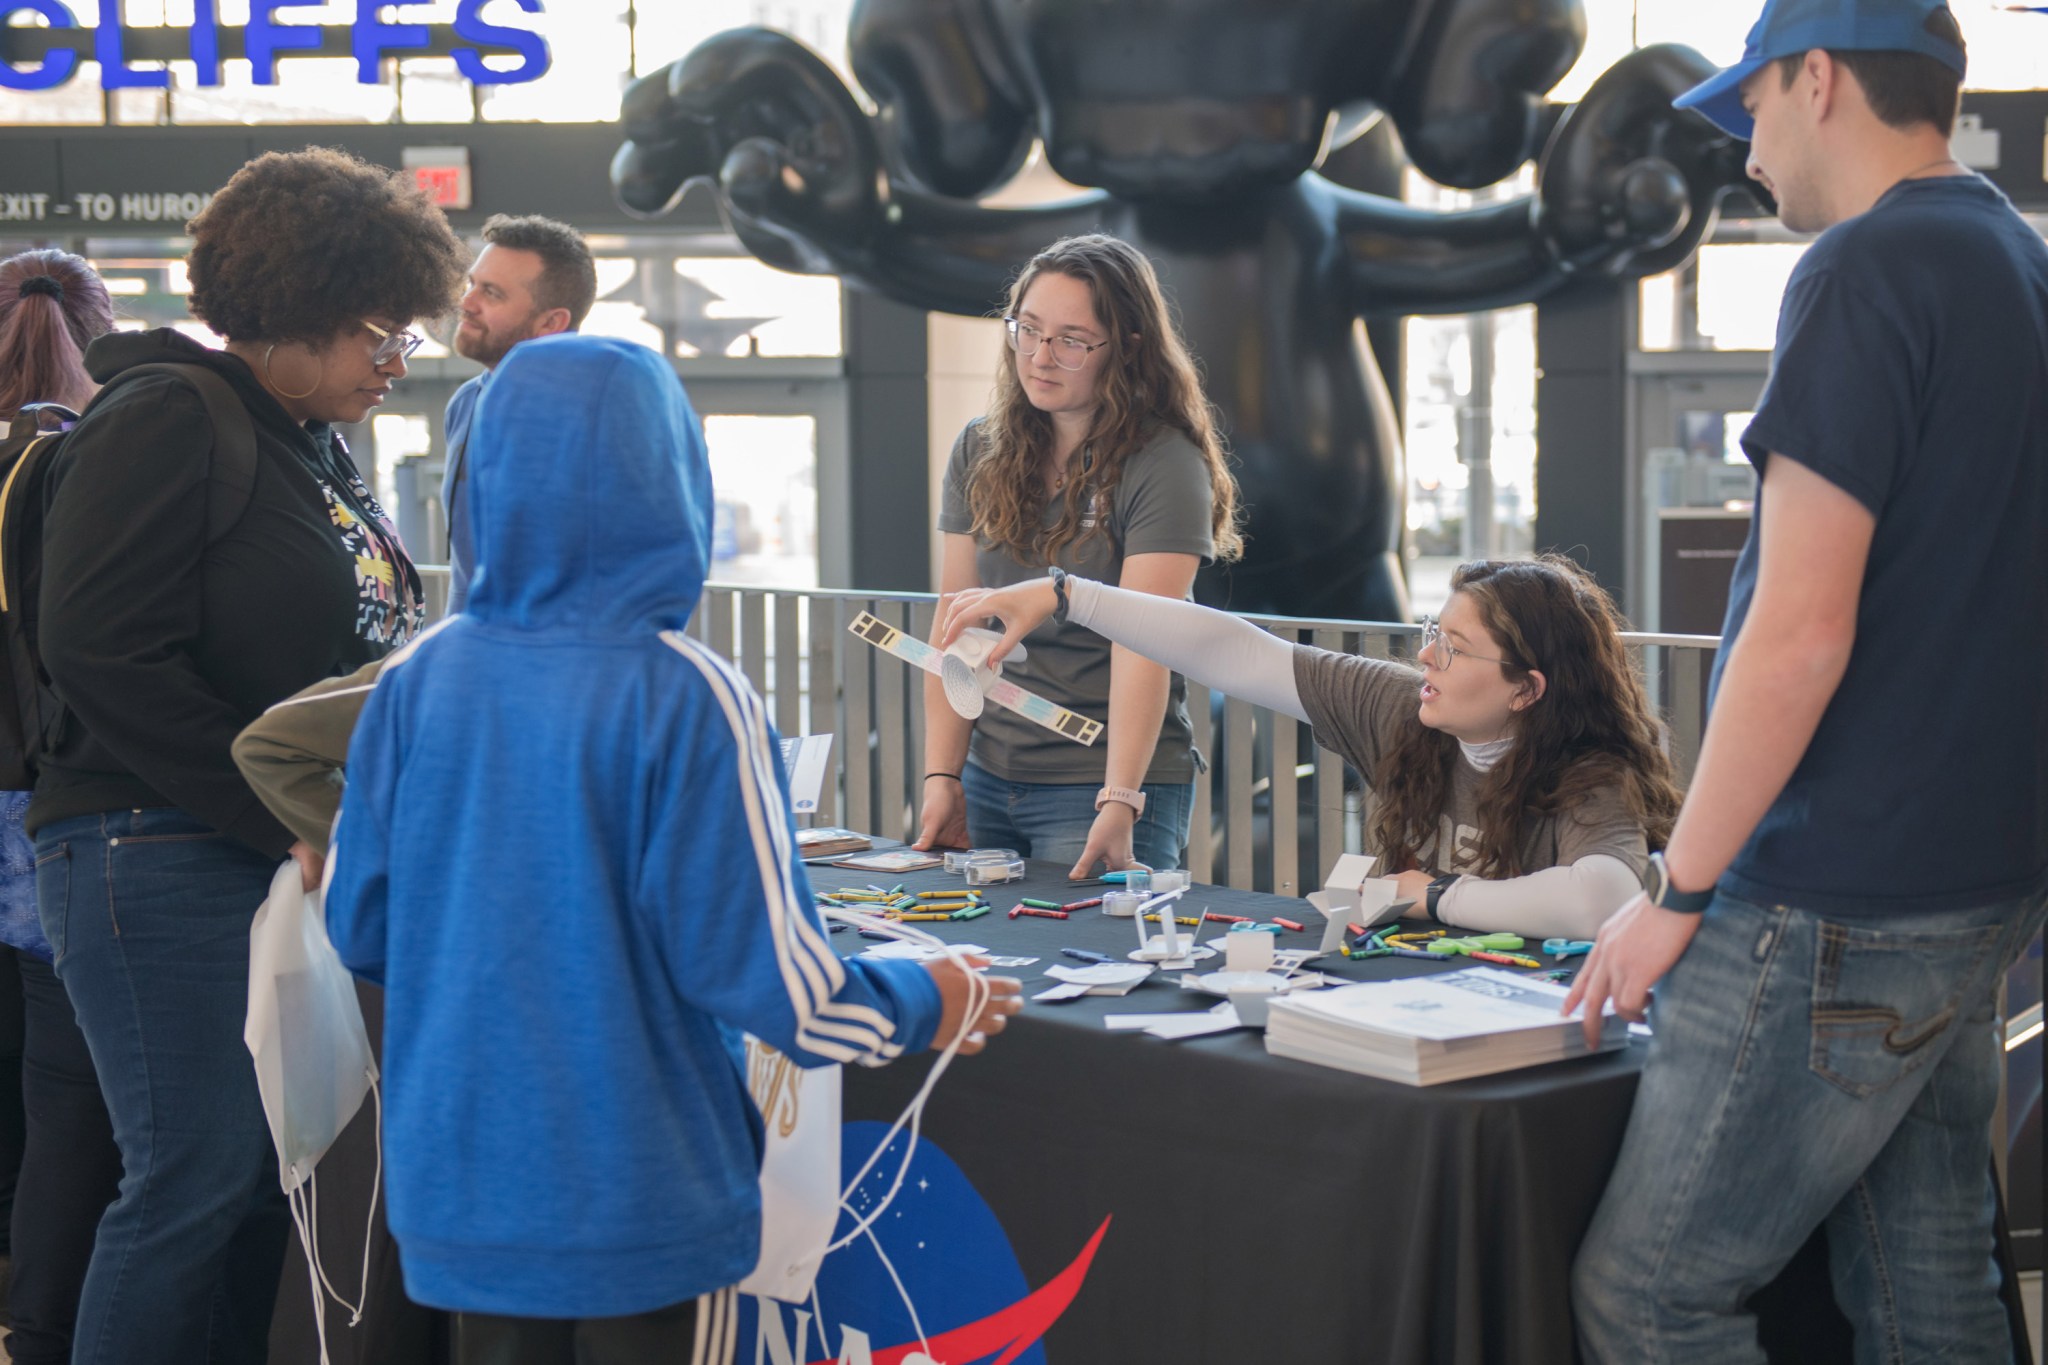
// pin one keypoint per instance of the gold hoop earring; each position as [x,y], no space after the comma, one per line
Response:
[271,380]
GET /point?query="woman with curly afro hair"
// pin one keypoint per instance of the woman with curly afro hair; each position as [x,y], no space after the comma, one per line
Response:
[183,592]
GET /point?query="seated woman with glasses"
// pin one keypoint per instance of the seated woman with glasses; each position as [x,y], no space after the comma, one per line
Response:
[1514,783]
[1098,456]
[172,613]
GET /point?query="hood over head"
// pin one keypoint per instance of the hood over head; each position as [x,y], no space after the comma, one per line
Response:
[590,491]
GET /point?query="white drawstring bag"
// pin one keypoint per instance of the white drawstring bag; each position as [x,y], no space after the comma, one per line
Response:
[799,1170]
[313,1061]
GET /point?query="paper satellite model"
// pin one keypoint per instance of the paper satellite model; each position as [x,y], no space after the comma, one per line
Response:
[972,679]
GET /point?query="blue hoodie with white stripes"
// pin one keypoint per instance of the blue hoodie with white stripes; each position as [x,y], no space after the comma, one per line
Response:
[565,852]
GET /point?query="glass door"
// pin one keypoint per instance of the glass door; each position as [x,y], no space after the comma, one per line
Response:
[1698,492]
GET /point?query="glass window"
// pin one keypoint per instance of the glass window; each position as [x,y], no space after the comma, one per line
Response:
[590,51]
[1726,299]
[433,90]
[1717,32]
[1442,408]
[702,305]
[619,311]
[2006,45]
[731,306]
[663,32]
[764,471]
[1610,36]
[396,436]
[308,90]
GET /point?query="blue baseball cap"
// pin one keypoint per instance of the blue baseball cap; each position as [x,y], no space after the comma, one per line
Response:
[1790,27]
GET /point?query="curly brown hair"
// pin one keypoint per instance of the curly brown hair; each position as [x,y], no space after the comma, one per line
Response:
[1593,727]
[1145,385]
[297,245]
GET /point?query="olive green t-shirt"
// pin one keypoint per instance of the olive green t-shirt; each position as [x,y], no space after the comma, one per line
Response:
[1361,707]
[1161,506]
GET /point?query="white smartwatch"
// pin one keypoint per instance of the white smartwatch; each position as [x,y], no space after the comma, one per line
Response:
[1134,799]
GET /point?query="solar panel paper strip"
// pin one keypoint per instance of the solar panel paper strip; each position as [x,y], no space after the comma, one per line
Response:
[1032,707]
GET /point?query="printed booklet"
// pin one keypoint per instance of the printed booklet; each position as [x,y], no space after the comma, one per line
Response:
[1427,1029]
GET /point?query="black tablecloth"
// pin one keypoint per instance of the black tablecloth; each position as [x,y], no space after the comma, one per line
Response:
[1379,1222]
[1375,1221]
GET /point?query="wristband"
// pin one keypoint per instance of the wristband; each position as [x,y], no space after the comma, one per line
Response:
[1059,593]
[950,777]
[1665,896]
[1436,891]
[1130,797]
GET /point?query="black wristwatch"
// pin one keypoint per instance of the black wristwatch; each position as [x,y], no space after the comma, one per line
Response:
[1436,891]
[1059,593]
[1668,897]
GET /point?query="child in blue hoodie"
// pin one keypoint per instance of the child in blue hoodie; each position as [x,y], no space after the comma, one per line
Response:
[565,852]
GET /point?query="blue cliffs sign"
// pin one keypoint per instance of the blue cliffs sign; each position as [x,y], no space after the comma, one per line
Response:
[263,40]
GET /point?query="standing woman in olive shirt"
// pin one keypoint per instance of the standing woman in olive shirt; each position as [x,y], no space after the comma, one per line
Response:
[1099,455]
[163,638]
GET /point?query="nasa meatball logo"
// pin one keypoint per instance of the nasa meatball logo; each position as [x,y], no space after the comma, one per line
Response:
[969,1303]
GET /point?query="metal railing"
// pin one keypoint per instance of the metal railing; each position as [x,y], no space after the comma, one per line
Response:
[1271,814]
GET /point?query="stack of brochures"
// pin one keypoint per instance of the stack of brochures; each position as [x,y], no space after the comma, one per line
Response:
[1428,1029]
[830,842]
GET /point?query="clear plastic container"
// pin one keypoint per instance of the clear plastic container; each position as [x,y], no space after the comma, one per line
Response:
[956,863]
[995,870]
[1122,904]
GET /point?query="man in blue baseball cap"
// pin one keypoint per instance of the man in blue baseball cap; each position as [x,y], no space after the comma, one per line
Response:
[1792,28]
[1864,847]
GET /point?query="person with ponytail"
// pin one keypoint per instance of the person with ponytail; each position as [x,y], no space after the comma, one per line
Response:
[52,306]
[1100,456]
[1515,781]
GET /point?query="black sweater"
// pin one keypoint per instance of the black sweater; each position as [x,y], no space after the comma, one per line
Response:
[160,646]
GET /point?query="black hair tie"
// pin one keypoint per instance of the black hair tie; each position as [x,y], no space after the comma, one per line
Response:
[42,284]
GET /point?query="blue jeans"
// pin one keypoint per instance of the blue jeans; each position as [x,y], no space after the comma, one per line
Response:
[20,926]
[149,914]
[1807,1072]
[1051,821]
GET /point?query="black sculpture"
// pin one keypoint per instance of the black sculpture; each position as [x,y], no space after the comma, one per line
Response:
[1201,123]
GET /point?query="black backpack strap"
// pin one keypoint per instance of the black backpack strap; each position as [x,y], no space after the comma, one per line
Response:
[231,480]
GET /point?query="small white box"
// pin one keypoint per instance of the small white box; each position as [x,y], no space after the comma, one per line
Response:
[1352,895]
[1247,952]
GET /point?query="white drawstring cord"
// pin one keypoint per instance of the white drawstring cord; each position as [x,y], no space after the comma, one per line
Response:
[304,1199]
[979,993]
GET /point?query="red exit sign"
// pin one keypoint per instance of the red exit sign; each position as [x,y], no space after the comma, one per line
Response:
[443,172]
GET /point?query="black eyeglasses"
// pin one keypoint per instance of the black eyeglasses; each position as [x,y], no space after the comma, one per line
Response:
[1069,353]
[392,345]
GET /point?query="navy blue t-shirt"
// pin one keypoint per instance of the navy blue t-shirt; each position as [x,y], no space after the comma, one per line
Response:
[1911,371]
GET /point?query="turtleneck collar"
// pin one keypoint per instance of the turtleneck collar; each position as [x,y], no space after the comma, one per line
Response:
[1484,756]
